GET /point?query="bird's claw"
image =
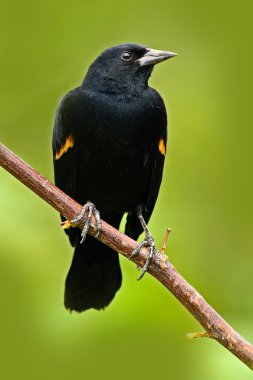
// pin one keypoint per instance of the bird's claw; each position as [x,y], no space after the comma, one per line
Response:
[91,209]
[149,243]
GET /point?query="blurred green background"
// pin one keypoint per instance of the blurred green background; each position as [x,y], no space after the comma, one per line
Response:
[206,195]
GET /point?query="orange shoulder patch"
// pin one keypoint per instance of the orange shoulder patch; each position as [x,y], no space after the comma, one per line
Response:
[69,143]
[162,148]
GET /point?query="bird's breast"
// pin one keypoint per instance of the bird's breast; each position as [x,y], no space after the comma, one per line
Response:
[120,144]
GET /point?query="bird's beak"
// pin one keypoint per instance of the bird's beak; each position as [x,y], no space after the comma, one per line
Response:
[152,57]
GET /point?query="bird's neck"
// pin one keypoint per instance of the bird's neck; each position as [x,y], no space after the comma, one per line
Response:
[110,85]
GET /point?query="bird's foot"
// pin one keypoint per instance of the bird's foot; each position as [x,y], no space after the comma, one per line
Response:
[153,251]
[91,209]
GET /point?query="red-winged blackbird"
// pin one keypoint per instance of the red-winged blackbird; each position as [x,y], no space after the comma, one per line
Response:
[109,143]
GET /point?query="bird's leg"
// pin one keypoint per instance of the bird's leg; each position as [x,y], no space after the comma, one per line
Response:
[149,243]
[90,207]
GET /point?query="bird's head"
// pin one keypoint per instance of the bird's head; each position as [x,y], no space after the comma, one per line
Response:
[123,68]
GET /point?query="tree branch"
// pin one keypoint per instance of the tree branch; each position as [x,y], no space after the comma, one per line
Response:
[215,326]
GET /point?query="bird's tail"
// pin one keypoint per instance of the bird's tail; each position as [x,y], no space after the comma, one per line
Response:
[94,276]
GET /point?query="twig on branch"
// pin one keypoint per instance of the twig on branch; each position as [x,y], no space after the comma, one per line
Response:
[215,326]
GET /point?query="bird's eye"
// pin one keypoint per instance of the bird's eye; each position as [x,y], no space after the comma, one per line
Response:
[126,56]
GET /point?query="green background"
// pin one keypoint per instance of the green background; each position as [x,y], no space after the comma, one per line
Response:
[206,195]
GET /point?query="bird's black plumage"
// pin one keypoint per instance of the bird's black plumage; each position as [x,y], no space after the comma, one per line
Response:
[109,142]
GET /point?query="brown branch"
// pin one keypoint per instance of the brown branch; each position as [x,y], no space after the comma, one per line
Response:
[214,325]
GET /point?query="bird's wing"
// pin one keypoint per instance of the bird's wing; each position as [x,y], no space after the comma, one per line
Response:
[133,226]
[65,148]
[158,116]
[65,143]
[155,178]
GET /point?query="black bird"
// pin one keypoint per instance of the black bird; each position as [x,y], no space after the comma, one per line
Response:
[109,145]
